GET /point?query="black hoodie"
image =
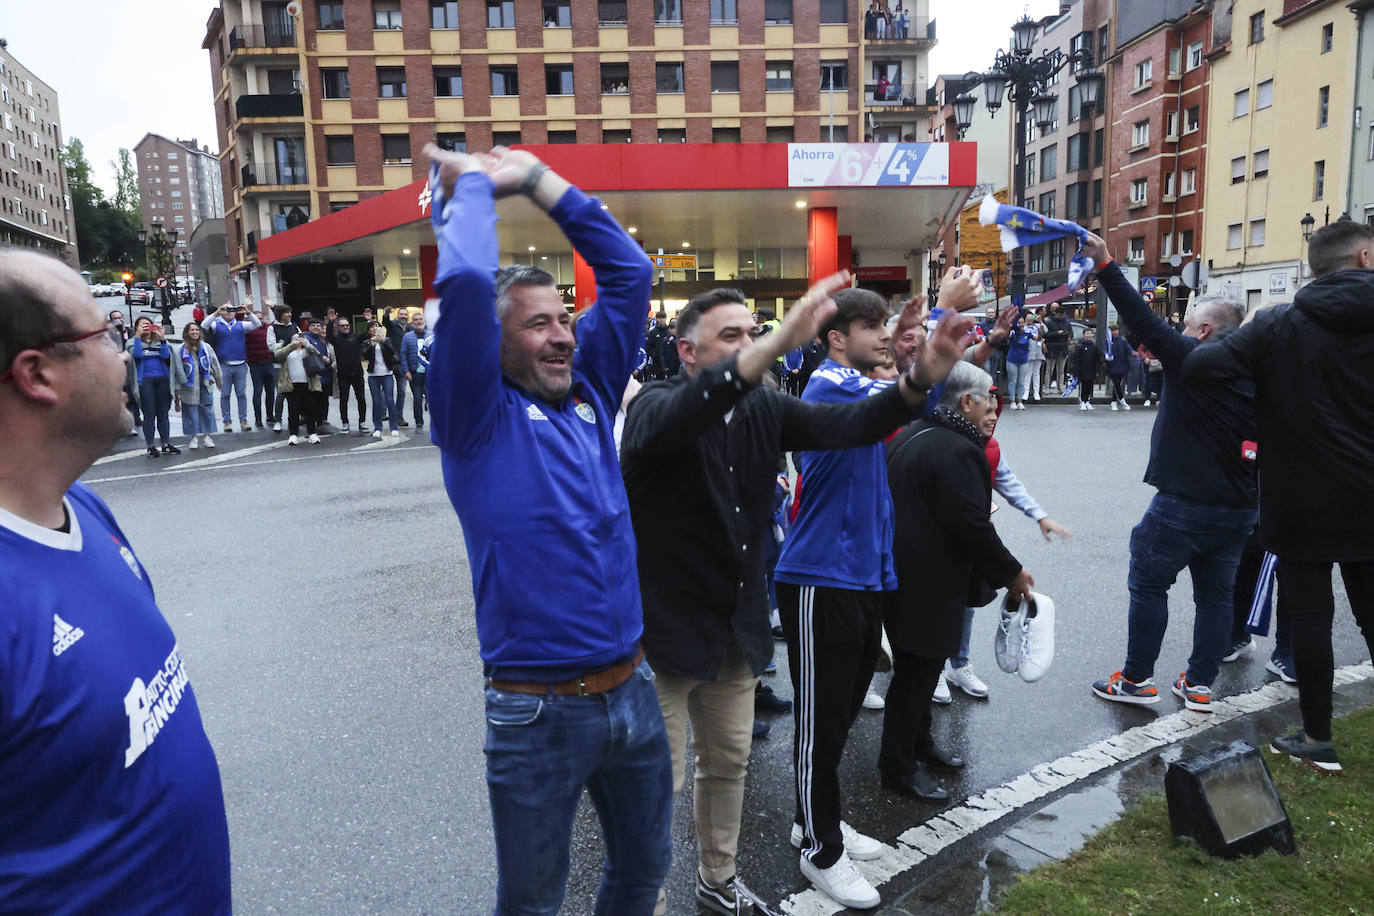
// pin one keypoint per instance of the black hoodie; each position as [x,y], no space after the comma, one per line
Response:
[1314,394]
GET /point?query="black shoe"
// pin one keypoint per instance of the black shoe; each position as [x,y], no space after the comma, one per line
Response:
[766,701]
[920,786]
[761,729]
[420,425]
[152,452]
[938,759]
[778,633]
[170,449]
[403,424]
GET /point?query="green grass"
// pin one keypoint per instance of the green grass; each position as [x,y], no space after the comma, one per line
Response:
[1135,866]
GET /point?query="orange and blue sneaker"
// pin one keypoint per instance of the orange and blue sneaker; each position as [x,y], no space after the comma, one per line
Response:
[1119,689]
[1194,696]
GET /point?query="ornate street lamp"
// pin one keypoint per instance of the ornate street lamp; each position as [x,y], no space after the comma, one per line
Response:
[1023,35]
[964,104]
[1308,221]
[158,247]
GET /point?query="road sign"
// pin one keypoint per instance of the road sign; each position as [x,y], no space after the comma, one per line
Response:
[1148,284]
[160,282]
[674,261]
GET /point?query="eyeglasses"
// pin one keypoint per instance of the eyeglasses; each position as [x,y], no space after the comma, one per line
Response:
[109,332]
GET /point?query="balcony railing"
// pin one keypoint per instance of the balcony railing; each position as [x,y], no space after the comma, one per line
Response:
[275,35]
[272,174]
[892,96]
[918,30]
[286,105]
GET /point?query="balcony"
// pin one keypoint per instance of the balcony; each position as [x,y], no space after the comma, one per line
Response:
[919,33]
[895,97]
[276,36]
[270,175]
[286,105]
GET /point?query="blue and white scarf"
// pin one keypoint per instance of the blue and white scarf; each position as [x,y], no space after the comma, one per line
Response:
[188,363]
[1021,227]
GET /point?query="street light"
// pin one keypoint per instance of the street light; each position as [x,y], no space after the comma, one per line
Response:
[159,244]
[1308,221]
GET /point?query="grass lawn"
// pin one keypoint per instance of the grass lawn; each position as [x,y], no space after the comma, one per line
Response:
[1136,866]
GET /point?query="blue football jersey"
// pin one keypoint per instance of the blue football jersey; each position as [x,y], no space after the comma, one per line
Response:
[110,797]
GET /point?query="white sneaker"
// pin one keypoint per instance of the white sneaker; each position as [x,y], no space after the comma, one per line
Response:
[293,441]
[858,847]
[1114,407]
[873,701]
[1124,405]
[345,427]
[209,443]
[276,427]
[1082,405]
[1090,405]
[1007,643]
[966,680]
[376,434]
[395,434]
[941,694]
[842,883]
[1037,639]
[1147,403]
[193,444]
[314,439]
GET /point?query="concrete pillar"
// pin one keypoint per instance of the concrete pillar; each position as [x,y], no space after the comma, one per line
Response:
[822,243]
[584,283]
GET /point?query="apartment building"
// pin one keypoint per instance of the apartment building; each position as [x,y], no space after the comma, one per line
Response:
[1279,138]
[324,103]
[1159,81]
[1360,196]
[179,184]
[896,106]
[35,201]
[993,136]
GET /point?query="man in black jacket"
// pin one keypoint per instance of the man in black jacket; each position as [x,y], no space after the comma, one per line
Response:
[1058,337]
[1202,463]
[717,434]
[1315,398]
[349,371]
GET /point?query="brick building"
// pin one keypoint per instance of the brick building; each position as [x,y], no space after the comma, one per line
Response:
[178,184]
[35,201]
[329,106]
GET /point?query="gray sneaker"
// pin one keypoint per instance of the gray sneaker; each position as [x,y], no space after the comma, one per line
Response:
[734,899]
[1007,644]
[1320,756]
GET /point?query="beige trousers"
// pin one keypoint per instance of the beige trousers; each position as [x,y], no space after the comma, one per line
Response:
[722,717]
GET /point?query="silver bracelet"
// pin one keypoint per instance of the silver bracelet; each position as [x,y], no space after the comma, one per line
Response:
[532,178]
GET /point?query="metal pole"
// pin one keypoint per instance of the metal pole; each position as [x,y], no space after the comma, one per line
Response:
[1017,288]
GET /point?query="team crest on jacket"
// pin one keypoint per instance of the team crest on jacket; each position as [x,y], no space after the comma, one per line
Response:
[584,410]
[128,556]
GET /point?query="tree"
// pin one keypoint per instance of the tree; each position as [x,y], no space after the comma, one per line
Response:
[106,235]
[126,182]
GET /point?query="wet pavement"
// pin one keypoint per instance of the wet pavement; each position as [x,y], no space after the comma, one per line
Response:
[322,599]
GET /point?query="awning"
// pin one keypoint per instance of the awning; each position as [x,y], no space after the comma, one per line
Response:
[1050,297]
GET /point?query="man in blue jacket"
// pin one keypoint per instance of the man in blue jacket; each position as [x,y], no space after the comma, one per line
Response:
[525,428]
[415,365]
[233,358]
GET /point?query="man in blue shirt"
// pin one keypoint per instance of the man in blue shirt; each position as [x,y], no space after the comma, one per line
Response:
[525,429]
[110,798]
[415,364]
[233,358]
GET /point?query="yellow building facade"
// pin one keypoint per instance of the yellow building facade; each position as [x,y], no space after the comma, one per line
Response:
[1278,140]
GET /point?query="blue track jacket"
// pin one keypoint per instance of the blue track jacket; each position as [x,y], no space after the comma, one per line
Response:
[536,485]
[842,536]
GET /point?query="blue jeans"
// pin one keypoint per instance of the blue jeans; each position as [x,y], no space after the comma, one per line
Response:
[400,389]
[1206,539]
[236,378]
[156,397]
[1018,380]
[961,659]
[383,390]
[264,377]
[542,750]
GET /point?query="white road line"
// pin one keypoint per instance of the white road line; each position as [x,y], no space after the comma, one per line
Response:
[120,456]
[221,457]
[384,442]
[247,464]
[927,839]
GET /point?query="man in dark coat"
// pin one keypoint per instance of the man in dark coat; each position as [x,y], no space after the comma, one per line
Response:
[1058,337]
[1314,397]
[944,546]
[1082,365]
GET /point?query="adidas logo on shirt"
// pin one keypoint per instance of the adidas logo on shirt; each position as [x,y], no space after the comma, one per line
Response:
[535,413]
[64,635]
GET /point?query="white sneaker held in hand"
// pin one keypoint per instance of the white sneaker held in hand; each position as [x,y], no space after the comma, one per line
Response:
[1006,645]
[1037,638]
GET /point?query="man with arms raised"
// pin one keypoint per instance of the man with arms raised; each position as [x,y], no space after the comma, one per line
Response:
[110,798]
[525,429]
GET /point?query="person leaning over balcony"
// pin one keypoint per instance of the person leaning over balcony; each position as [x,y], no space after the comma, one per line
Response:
[228,336]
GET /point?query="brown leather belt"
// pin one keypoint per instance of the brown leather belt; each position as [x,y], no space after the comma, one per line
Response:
[586,685]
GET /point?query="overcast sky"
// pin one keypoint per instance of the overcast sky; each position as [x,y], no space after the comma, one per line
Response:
[123,68]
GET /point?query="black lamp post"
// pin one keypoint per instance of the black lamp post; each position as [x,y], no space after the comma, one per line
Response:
[1025,80]
[1307,222]
[159,244]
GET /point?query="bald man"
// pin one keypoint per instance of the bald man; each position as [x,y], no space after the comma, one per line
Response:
[110,797]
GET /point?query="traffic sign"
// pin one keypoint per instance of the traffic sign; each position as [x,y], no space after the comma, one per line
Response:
[1147,284]
[160,283]
[674,261]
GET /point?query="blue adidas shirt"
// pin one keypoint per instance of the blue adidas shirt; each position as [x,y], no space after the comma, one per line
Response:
[842,535]
[110,798]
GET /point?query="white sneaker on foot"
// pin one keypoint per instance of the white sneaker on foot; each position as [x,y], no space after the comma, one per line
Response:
[395,434]
[966,680]
[941,694]
[1147,403]
[1090,405]
[209,443]
[376,434]
[1114,407]
[873,701]
[842,883]
[314,439]
[276,427]
[1124,405]
[293,441]
[858,847]
[345,427]
[193,444]
[1082,405]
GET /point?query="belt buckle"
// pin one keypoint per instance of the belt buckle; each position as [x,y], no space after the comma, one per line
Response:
[582,686]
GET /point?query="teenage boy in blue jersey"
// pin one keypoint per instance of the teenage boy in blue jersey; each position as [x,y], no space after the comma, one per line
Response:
[525,428]
[834,568]
[110,798]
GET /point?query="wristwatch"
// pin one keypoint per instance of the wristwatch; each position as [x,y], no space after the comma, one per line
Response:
[532,178]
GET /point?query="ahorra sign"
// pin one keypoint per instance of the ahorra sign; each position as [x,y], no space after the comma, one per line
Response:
[867,165]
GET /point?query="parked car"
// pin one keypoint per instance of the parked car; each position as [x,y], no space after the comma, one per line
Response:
[142,293]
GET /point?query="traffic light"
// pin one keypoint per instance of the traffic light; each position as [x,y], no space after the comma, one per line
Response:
[128,279]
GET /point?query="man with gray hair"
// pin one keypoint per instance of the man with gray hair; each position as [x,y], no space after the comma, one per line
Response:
[1202,463]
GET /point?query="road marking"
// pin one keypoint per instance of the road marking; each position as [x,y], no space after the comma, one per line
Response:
[230,456]
[181,468]
[120,456]
[384,442]
[945,829]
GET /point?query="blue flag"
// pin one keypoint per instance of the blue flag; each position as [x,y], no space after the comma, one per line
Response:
[1026,227]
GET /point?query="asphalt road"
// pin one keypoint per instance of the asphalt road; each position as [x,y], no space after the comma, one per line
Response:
[323,603]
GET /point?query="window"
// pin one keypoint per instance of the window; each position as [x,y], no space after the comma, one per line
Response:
[1135,252]
[1037,258]
[1170,185]
[1192,119]
[834,11]
[1047,202]
[562,136]
[505,81]
[1140,133]
[1319,179]
[1030,169]
[339,150]
[615,79]
[668,12]
[725,135]
[1171,125]
[448,82]
[668,77]
[1140,190]
[782,133]
[505,137]
[1076,201]
[386,15]
[1143,72]
[391,82]
[1097,197]
[557,14]
[1234,237]
[612,12]
[1195,55]
[834,75]
[672,135]
[1260,164]
[1175,62]
[615,136]
[1241,105]
[1057,254]
[1323,105]
[777,75]
[1264,93]
[458,143]
[1049,162]
[331,16]
[1080,42]
[1099,147]
[558,79]
[1185,242]
[1237,170]
[173,156]
[1256,233]
[1189,183]
[1076,152]
[396,148]
[1371,142]
[1102,43]
[335,82]
[725,12]
[777,12]
[1166,244]
[500,14]
[443,14]
[1326,38]
[725,76]
[1257,28]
